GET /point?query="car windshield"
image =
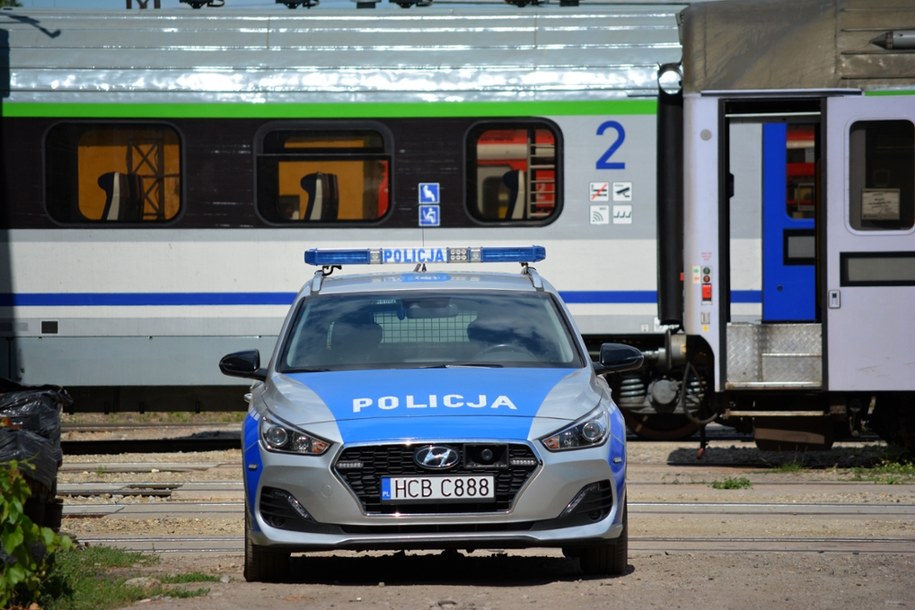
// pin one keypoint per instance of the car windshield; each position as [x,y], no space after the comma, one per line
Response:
[416,330]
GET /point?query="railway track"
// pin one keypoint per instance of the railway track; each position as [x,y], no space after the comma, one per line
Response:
[200,441]
[127,505]
[813,538]
[756,542]
[235,545]
[788,532]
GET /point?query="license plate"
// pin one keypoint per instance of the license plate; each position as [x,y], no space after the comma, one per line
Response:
[437,489]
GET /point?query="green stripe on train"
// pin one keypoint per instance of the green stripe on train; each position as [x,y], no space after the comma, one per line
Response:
[885,92]
[328,111]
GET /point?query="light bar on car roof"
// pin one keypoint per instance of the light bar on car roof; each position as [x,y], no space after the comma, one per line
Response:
[382,256]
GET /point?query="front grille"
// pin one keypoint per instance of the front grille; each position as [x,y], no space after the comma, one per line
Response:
[363,467]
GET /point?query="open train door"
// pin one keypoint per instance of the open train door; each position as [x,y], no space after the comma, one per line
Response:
[870,245]
[768,302]
[800,283]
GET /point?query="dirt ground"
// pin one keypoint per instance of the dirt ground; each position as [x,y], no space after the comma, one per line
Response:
[483,581]
[705,578]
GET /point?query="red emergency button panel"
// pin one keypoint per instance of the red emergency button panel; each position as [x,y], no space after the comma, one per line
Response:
[706,285]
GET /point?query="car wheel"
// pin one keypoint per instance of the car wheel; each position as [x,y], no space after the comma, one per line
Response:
[264,564]
[610,558]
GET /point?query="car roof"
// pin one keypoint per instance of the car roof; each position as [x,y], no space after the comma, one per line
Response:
[434,280]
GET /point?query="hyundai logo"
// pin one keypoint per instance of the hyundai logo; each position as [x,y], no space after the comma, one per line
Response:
[436,457]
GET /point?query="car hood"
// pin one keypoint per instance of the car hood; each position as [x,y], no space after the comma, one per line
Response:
[465,403]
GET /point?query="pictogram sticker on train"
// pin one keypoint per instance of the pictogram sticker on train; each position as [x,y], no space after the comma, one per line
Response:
[600,191]
[429,192]
[429,216]
[622,191]
[600,214]
[622,214]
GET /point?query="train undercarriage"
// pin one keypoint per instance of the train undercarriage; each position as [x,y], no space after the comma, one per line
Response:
[671,398]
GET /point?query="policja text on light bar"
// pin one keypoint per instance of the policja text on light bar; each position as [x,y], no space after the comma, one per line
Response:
[379,256]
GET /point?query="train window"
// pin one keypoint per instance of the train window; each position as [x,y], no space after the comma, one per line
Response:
[513,172]
[801,170]
[122,173]
[877,269]
[315,174]
[799,246]
[881,181]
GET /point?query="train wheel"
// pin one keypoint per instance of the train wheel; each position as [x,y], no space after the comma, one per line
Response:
[660,427]
[894,420]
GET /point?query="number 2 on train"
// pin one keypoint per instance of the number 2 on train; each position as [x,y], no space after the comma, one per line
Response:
[604,161]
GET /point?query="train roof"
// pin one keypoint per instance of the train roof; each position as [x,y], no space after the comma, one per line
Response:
[439,53]
[796,44]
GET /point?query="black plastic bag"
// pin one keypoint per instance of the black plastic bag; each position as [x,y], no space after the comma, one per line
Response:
[33,409]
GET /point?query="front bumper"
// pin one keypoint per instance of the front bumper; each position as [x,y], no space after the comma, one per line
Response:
[304,503]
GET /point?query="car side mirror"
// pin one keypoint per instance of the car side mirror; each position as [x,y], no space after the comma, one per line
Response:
[618,358]
[245,364]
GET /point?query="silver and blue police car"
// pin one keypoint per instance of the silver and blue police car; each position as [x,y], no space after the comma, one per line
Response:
[432,409]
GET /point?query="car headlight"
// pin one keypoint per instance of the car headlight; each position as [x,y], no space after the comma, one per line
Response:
[589,431]
[280,436]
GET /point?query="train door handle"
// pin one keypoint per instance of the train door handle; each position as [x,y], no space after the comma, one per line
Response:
[835,299]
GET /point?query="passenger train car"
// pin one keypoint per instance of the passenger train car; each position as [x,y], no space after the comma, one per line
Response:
[798,217]
[165,170]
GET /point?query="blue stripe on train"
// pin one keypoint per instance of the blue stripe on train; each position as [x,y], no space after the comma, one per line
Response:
[161,299]
[135,299]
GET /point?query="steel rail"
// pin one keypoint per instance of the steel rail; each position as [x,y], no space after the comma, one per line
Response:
[638,544]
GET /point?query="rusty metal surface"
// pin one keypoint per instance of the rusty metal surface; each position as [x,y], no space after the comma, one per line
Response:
[750,45]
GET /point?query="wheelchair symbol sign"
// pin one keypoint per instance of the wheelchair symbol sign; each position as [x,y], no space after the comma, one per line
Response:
[429,216]
[429,192]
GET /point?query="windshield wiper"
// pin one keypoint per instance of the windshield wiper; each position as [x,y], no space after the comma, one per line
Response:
[461,365]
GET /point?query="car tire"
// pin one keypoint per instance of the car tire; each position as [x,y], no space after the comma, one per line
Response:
[611,558]
[264,564]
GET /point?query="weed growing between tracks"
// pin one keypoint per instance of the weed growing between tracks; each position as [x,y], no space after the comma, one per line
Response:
[732,483]
[101,578]
[893,470]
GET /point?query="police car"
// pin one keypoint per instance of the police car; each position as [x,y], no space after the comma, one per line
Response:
[427,408]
